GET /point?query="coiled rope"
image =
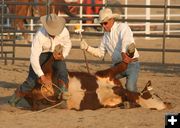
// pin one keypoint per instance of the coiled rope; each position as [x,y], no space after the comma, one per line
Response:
[45,86]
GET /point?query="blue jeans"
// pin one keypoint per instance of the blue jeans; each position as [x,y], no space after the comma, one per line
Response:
[131,74]
[58,66]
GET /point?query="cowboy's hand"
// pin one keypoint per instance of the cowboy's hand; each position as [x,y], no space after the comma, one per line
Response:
[83,45]
[131,50]
[126,58]
[58,55]
[44,80]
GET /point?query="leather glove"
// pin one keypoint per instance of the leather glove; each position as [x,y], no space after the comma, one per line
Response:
[58,52]
[83,45]
[58,55]
[44,80]
[126,58]
[131,50]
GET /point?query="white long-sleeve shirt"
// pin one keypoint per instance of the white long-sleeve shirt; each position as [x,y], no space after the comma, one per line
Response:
[115,42]
[42,42]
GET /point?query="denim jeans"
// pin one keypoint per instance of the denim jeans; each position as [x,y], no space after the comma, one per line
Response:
[58,66]
[131,74]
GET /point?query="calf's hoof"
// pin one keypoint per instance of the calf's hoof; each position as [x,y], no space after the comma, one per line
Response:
[126,105]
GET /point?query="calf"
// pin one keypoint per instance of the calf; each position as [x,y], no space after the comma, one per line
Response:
[87,91]
[92,91]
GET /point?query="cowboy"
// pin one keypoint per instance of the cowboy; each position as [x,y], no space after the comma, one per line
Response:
[118,41]
[52,33]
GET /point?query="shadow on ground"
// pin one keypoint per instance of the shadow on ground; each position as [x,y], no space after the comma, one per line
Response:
[149,66]
[161,68]
[8,85]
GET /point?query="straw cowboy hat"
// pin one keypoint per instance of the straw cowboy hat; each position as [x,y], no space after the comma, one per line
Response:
[106,14]
[53,24]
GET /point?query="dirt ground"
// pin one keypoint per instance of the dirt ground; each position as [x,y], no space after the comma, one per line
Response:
[165,80]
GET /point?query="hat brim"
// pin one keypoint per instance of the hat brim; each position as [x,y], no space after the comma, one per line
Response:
[114,16]
[55,28]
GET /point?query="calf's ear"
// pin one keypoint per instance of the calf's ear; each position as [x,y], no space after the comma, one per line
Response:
[148,87]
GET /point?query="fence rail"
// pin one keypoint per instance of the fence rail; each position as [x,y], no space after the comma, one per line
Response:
[164,21]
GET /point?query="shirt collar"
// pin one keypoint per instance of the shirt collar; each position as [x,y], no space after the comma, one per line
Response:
[114,26]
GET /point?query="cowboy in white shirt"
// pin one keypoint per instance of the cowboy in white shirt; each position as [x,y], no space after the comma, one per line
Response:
[46,38]
[118,41]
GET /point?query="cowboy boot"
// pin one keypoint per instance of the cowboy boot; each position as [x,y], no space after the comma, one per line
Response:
[63,93]
[14,100]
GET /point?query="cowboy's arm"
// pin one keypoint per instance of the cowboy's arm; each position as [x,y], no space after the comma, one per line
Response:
[127,41]
[66,45]
[98,52]
[36,50]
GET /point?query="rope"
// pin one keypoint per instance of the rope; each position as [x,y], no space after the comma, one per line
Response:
[106,3]
[85,58]
[53,101]
[44,86]
[45,109]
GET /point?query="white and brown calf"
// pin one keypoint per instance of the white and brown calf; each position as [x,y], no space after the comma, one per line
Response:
[87,91]
[92,91]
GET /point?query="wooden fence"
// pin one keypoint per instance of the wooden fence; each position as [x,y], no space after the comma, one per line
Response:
[11,55]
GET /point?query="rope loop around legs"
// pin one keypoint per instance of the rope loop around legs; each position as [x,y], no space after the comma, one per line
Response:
[61,90]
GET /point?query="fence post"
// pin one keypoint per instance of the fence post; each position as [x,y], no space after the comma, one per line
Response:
[168,17]
[126,10]
[164,31]
[2,22]
[81,15]
[148,17]
[31,28]
[48,7]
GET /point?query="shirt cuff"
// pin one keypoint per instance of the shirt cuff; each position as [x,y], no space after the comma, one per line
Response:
[123,50]
[40,73]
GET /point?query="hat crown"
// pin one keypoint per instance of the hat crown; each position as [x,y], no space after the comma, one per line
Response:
[51,20]
[53,24]
[105,13]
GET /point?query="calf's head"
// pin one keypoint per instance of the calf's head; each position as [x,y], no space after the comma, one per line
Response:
[148,99]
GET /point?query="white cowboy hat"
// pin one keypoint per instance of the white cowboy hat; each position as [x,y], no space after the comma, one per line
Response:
[106,14]
[53,24]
